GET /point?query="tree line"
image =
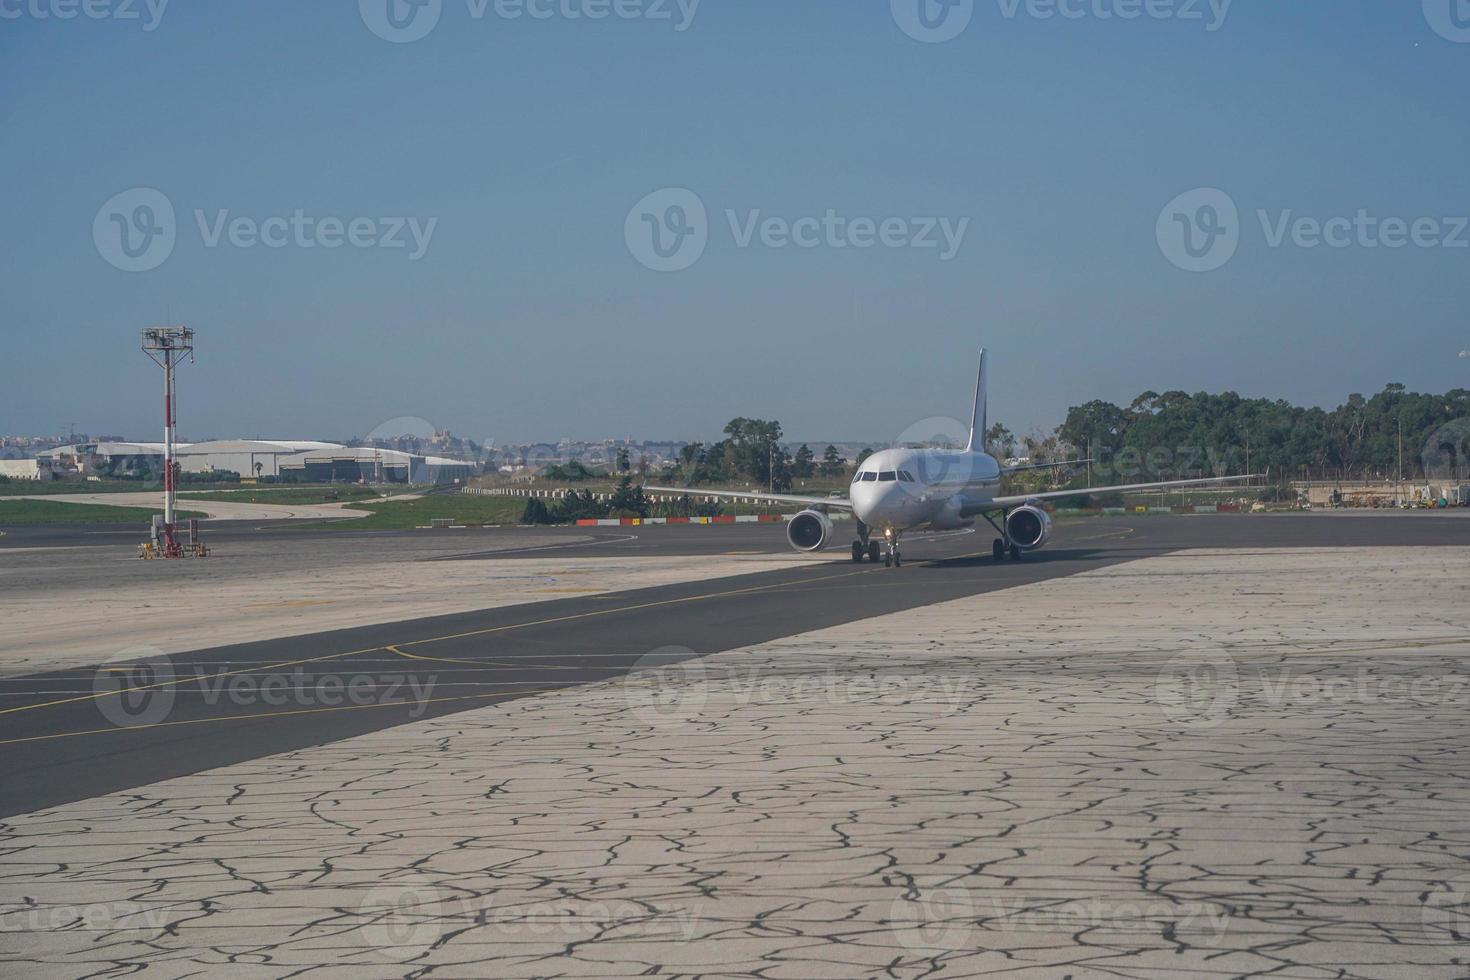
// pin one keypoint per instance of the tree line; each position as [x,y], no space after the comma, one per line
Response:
[1364,438]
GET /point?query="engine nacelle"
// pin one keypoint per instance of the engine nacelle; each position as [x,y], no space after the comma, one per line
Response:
[811,530]
[1029,527]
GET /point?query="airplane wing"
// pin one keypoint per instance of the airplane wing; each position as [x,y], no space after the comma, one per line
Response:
[841,503]
[1000,503]
[1006,470]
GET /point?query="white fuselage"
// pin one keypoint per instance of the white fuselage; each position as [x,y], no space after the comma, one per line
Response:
[900,489]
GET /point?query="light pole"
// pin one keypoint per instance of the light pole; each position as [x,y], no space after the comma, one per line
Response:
[167,346]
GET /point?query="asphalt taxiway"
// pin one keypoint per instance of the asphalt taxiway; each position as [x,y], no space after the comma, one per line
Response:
[103,727]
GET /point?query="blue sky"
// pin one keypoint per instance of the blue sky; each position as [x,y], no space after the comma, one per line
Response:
[527,143]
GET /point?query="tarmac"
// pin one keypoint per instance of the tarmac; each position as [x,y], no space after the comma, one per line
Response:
[1219,746]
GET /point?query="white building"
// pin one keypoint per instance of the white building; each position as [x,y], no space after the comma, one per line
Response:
[25,469]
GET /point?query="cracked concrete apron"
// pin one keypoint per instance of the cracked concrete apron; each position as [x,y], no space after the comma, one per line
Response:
[1211,763]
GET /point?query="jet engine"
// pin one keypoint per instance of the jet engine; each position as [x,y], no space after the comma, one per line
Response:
[1029,527]
[811,530]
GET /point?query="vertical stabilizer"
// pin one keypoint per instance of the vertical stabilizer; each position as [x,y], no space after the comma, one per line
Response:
[977,423]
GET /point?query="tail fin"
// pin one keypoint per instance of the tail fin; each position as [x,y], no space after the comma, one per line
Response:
[977,423]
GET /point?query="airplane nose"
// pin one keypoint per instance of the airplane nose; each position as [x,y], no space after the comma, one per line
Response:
[876,503]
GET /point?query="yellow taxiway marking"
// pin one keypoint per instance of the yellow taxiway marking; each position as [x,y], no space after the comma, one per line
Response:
[269,714]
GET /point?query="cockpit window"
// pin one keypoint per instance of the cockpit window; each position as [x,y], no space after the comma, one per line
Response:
[868,477]
[905,476]
[887,476]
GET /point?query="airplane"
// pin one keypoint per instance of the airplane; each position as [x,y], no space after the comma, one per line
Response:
[899,490]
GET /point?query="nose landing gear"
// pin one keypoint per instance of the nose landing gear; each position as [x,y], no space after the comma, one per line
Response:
[891,556]
[887,549]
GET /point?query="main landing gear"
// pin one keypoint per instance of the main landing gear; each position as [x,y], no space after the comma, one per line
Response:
[1003,545]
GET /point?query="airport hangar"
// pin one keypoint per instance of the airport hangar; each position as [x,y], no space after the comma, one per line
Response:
[289,461]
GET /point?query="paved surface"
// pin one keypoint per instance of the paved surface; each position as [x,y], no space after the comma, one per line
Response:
[1227,763]
[64,609]
[131,716]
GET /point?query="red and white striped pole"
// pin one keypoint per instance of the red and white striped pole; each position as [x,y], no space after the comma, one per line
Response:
[170,419]
[166,345]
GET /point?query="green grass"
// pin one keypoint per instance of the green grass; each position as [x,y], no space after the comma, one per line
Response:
[14,513]
[394,515]
[30,488]
[285,495]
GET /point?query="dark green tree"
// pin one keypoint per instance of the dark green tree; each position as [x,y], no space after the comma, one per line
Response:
[536,512]
[628,500]
[750,447]
[832,463]
[803,467]
[1000,442]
